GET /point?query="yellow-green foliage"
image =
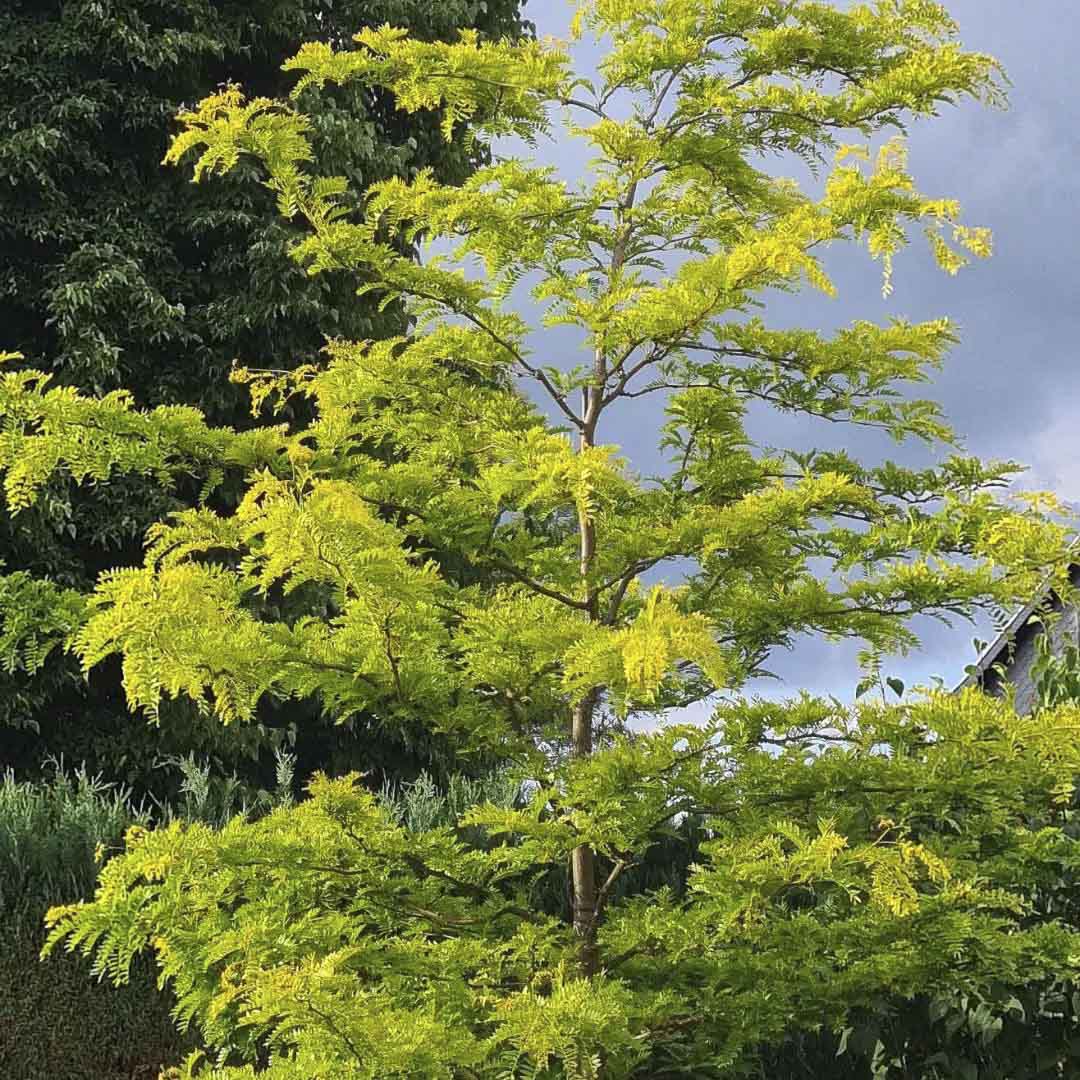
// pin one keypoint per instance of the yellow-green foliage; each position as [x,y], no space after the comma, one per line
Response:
[481,568]
[355,946]
[57,429]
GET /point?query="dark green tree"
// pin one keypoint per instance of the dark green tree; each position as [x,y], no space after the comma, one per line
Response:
[118,272]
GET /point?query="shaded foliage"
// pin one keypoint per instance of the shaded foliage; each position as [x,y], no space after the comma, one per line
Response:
[116,272]
[56,1018]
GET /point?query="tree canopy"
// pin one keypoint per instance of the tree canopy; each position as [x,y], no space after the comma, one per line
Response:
[115,273]
[488,568]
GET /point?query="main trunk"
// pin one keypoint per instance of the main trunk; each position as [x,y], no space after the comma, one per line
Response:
[583,860]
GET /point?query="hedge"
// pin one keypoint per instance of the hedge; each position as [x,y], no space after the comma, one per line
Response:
[57,1022]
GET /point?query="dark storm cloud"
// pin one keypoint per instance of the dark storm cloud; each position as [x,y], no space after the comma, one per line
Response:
[1008,387]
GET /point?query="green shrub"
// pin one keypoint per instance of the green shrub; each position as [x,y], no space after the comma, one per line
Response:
[50,832]
[57,1021]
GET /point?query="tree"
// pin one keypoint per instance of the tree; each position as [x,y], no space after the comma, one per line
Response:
[116,273]
[1025,1031]
[485,565]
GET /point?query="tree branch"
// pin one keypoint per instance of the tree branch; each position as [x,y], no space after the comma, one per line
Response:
[605,890]
[536,586]
[518,356]
[577,103]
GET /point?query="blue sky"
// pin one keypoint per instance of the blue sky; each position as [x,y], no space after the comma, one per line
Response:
[1008,387]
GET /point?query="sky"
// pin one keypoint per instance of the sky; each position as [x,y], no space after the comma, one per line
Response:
[1008,388]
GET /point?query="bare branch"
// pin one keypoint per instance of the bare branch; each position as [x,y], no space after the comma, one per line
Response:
[577,103]
[605,889]
[536,586]
[513,350]
[653,356]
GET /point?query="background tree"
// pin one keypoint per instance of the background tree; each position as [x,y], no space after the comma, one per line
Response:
[853,854]
[115,272]
[1025,1030]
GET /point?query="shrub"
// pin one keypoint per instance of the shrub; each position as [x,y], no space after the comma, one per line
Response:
[57,1021]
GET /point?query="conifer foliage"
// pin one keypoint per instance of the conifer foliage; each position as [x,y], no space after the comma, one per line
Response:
[487,562]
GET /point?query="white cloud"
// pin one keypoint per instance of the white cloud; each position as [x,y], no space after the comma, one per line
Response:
[1055,459]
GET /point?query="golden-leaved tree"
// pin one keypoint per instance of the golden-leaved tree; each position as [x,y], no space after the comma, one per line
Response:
[483,565]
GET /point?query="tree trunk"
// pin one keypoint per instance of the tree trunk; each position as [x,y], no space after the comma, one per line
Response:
[583,859]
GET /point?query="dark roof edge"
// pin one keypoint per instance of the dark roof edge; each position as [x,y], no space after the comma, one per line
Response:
[991,653]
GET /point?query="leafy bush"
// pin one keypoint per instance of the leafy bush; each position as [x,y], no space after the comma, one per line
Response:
[52,836]
[56,1020]
[422,805]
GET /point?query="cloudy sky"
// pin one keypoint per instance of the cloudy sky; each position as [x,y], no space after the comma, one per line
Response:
[1009,387]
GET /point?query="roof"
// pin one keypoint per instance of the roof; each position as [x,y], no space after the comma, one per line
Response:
[992,653]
